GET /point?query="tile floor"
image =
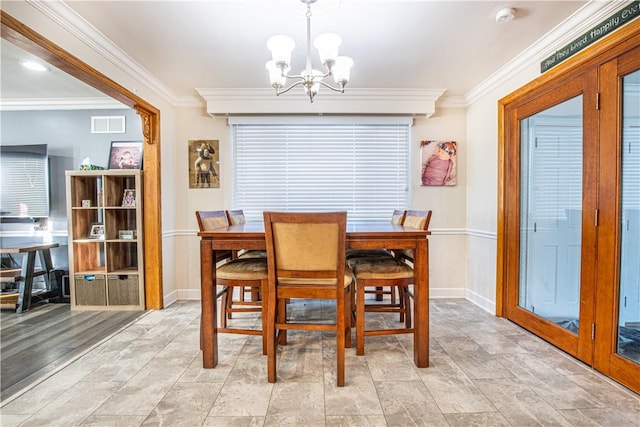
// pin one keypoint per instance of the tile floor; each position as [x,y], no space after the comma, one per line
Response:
[485,371]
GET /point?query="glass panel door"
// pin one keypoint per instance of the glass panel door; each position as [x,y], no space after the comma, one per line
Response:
[551,161]
[628,343]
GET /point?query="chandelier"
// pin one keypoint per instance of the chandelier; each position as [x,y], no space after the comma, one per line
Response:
[281,46]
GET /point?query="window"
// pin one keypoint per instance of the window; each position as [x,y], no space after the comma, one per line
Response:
[361,167]
[24,173]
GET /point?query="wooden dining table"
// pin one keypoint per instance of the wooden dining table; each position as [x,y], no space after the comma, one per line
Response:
[360,235]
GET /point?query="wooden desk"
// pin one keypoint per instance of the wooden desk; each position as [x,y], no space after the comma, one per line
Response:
[360,235]
[27,272]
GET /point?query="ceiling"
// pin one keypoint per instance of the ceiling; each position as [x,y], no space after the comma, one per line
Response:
[395,44]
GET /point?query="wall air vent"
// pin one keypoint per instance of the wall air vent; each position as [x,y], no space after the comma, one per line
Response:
[107,124]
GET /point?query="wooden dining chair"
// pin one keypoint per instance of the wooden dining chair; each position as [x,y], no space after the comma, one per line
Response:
[236,274]
[306,258]
[235,217]
[208,220]
[397,217]
[392,272]
[415,219]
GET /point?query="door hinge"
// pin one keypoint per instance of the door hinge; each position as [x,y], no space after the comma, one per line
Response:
[596,216]
[597,100]
[593,332]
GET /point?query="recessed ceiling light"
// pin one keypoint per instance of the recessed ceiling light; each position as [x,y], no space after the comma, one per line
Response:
[34,66]
[505,15]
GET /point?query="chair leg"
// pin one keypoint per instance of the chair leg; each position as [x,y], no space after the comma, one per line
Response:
[341,323]
[229,300]
[359,319]
[270,334]
[348,310]
[263,290]
[281,317]
[407,305]
[223,306]
[401,298]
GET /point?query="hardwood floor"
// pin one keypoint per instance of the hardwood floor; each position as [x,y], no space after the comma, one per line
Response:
[44,339]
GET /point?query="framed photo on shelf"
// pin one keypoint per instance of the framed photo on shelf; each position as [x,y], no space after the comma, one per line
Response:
[125,155]
[127,234]
[96,231]
[129,198]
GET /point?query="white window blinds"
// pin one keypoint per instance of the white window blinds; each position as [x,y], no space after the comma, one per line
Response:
[24,181]
[360,168]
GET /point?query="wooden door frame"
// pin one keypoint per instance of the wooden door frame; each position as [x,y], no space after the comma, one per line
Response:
[607,58]
[600,52]
[29,40]
[584,84]
[606,357]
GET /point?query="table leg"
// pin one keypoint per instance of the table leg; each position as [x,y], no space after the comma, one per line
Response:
[26,284]
[421,305]
[208,323]
[46,264]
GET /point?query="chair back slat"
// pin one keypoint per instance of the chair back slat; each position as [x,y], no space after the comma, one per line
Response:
[398,216]
[236,217]
[417,219]
[210,220]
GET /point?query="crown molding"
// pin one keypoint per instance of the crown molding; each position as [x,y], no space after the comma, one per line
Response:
[354,101]
[582,20]
[367,101]
[32,104]
[67,18]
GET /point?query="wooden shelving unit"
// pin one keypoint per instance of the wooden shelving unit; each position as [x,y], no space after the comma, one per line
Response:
[106,258]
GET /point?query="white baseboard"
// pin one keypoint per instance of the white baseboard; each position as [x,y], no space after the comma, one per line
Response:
[439,293]
[189,294]
[484,303]
[170,298]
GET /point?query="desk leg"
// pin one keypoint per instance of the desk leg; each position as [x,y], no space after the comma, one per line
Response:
[26,284]
[421,305]
[208,322]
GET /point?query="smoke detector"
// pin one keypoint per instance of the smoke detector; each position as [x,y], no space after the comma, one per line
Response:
[505,15]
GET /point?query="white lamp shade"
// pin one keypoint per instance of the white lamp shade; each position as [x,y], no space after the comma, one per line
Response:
[342,69]
[327,45]
[281,48]
[276,75]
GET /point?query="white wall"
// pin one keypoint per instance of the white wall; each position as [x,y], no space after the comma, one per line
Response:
[448,243]
[447,246]
[482,188]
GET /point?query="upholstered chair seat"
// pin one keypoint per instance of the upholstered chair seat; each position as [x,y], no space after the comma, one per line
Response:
[243,269]
[377,268]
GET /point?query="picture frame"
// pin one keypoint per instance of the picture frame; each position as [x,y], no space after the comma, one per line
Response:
[96,231]
[129,198]
[204,163]
[127,234]
[125,155]
[438,160]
